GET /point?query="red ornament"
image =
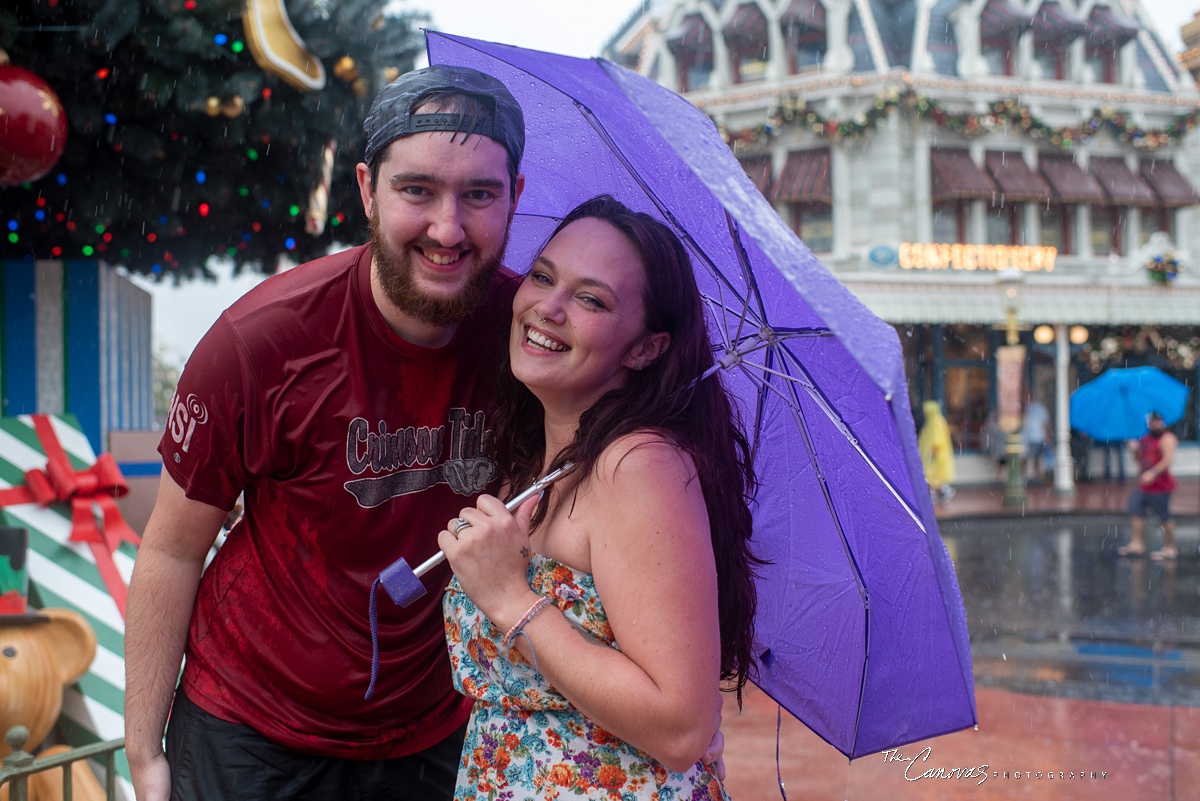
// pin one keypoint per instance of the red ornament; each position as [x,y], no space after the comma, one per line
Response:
[33,126]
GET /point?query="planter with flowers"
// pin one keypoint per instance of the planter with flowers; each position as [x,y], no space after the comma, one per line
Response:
[1163,268]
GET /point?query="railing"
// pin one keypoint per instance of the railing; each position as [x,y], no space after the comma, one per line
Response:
[18,766]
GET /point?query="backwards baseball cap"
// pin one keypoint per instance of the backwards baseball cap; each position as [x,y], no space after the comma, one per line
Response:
[392,114]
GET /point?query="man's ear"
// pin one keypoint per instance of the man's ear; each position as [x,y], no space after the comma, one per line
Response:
[518,188]
[365,189]
[646,350]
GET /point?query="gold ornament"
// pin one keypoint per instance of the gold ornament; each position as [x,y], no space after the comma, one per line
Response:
[390,74]
[360,87]
[277,48]
[346,69]
[233,106]
[212,106]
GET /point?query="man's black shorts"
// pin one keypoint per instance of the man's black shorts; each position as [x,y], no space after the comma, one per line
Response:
[215,760]
[1146,504]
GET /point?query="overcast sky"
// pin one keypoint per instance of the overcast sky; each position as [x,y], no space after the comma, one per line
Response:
[181,316]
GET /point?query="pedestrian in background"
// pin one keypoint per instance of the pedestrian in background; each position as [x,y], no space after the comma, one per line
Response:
[937,452]
[1035,434]
[1155,451]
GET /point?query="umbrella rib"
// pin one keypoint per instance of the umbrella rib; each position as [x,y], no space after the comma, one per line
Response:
[798,412]
[747,273]
[815,394]
[811,387]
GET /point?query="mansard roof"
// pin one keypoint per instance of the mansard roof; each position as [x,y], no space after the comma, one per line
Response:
[924,37]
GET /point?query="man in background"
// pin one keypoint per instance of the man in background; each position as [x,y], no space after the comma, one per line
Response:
[1155,452]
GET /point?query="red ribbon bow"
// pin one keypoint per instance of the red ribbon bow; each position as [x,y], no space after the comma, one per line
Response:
[101,484]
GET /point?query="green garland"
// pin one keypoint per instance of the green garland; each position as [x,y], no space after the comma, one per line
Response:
[1004,113]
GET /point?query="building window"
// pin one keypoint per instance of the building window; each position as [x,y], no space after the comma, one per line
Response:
[1155,220]
[746,34]
[807,52]
[1056,227]
[751,64]
[1004,225]
[803,25]
[691,43]
[949,223]
[999,56]
[813,223]
[1106,231]
[695,72]
[1103,63]
[1051,62]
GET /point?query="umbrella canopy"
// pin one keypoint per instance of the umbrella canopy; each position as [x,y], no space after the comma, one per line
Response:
[1114,405]
[861,632]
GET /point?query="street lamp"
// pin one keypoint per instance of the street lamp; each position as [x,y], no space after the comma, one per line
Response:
[1010,381]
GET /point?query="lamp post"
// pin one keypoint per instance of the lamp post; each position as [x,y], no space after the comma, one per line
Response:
[1010,381]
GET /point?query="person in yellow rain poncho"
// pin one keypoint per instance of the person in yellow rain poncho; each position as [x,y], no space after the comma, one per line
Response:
[937,452]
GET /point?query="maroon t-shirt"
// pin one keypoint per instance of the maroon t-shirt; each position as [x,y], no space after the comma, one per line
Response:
[353,447]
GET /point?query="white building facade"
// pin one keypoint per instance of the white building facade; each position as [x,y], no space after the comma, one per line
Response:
[952,160]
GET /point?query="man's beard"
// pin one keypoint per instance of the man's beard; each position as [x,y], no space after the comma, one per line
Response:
[395,270]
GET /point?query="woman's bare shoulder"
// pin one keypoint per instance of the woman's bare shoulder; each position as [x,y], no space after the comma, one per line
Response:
[641,456]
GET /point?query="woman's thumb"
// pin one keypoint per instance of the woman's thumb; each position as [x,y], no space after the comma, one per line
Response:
[525,511]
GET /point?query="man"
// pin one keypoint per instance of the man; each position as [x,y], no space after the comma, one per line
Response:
[347,398]
[1155,452]
[1035,434]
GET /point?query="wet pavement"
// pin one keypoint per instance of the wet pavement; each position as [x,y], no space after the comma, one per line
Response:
[1087,667]
[1053,610]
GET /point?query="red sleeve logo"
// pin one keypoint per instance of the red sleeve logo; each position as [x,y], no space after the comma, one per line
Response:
[183,418]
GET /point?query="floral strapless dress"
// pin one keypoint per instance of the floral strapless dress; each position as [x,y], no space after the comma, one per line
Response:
[525,742]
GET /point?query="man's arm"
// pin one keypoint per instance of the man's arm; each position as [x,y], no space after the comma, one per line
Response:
[162,593]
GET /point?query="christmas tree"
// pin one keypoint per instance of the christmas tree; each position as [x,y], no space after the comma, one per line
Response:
[200,128]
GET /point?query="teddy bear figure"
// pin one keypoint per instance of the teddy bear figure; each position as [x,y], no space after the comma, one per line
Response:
[40,655]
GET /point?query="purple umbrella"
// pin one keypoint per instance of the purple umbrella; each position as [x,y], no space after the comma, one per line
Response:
[861,632]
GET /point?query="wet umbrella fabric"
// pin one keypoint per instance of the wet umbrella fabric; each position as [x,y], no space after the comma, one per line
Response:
[861,632]
[1114,405]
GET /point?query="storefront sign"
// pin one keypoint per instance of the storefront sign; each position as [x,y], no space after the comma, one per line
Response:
[1010,381]
[1027,258]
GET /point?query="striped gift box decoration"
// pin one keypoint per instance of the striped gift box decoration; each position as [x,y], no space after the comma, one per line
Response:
[64,574]
[75,337]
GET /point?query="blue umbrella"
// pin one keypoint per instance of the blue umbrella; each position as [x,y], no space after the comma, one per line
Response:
[1114,406]
[861,632]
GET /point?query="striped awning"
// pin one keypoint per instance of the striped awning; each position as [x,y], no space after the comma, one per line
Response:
[1106,26]
[1171,186]
[954,176]
[693,36]
[746,27]
[759,170]
[1069,183]
[1054,24]
[1001,19]
[808,14]
[805,178]
[1017,181]
[1120,184]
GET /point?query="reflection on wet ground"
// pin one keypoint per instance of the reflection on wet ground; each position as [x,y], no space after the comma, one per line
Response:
[1053,610]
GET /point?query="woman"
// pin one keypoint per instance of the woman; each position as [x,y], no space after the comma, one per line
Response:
[595,625]
[937,452]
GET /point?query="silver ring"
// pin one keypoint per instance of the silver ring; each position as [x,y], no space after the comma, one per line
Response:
[459,525]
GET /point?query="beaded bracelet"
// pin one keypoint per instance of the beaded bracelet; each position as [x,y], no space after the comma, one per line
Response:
[536,607]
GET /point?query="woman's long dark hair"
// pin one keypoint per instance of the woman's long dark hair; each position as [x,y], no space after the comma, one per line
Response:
[667,398]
